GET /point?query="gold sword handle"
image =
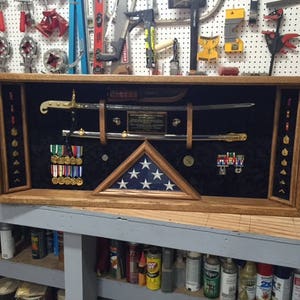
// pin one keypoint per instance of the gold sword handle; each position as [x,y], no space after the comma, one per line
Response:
[235,137]
[59,104]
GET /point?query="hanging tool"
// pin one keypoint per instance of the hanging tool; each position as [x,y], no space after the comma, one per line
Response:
[233,18]
[2,21]
[29,51]
[98,66]
[145,17]
[253,16]
[174,63]
[25,15]
[281,3]
[52,21]
[275,41]
[194,6]
[122,66]
[77,27]
[5,53]
[56,61]
[209,45]
[121,30]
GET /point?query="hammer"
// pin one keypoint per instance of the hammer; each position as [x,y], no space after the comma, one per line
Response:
[194,5]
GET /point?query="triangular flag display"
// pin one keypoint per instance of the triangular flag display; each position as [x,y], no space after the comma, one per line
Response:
[145,173]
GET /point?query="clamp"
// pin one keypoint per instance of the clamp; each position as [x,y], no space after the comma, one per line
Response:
[29,51]
[56,61]
[5,52]
[275,41]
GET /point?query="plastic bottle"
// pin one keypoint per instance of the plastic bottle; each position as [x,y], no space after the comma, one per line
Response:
[211,278]
[264,281]
[7,241]
[296,285]
[247,282]
[228,280]
[193,271]
[179,271]
[281,289]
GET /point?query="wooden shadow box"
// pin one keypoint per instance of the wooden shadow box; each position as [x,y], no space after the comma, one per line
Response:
[203,169]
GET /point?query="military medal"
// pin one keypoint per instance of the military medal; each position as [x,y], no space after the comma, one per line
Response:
[54,174]
[54,156]
[78,155]
[79,181]
[14,131]
[283,172]
[284,152]
[222,163]
[15,153]
[67,160]
[239,163]
[286,139]
[14,143]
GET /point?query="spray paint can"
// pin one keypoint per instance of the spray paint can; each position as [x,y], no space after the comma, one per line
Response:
[264,280]
[247,282]
[180,270]
[7,241]
[193,271]
[281,288]
[167,271]
[296,285]
[38,243]
[132,260]
[117,265]
[142,269]
[211,280]
[228,280]
[153,275]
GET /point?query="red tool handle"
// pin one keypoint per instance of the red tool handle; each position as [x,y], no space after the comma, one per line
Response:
[22,21]
[2,24]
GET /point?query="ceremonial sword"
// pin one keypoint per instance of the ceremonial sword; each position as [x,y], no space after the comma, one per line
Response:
[65,105]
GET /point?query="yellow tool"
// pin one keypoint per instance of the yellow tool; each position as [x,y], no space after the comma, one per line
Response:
[233,18]
[210,48]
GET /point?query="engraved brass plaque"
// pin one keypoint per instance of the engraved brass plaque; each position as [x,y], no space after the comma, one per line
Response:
[147,122]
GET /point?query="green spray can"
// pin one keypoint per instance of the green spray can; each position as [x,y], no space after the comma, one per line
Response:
[211,287]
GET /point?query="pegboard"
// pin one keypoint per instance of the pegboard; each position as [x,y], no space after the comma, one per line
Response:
[254,59]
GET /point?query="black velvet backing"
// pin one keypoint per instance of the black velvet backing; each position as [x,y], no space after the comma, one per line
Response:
[256,122]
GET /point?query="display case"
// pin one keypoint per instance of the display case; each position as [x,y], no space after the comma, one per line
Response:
[217,144]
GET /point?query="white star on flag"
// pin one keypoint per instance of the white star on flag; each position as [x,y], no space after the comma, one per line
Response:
[146,184]
[123,184]
[145,164]
[157,174]
[145,175]
[169,185]
[134,174]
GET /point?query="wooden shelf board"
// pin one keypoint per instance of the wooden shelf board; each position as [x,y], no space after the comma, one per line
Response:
[205,204]
[133,79]
[285,226]
[281,227]
[50,261]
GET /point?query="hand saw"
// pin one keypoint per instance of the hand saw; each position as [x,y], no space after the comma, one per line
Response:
[120,33]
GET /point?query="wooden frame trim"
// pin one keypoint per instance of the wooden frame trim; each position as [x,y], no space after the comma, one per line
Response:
[187,192]
[5,183]
[294,198]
